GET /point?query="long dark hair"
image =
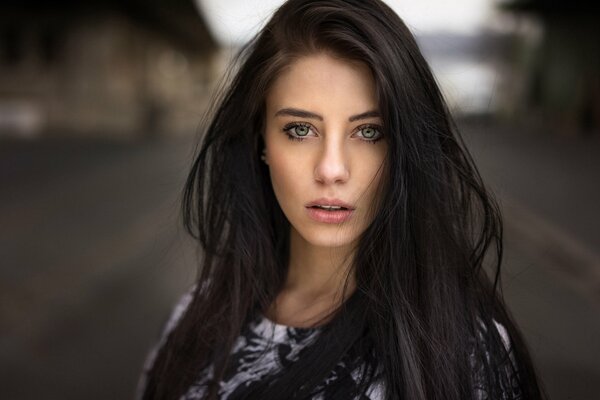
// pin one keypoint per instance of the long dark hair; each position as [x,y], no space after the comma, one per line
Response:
[424,309]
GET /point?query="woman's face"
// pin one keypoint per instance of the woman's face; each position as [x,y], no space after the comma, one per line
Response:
[325,148]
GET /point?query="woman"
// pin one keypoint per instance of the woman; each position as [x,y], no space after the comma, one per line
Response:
[343,227]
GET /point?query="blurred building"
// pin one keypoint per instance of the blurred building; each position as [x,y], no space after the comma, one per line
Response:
[555,64]
[468,67]
[120,68]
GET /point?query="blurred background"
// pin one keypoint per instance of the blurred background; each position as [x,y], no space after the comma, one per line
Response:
[100,103]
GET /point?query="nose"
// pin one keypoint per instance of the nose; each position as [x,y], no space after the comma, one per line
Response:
[332,163]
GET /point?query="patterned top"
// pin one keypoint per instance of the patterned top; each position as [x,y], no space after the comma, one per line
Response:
[265,347]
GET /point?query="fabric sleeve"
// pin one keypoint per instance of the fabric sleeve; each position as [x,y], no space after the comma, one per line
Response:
[171,322]
[507,369]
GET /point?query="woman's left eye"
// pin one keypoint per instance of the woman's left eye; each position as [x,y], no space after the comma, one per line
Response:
[369,133]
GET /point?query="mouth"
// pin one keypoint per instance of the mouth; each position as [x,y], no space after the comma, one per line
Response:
[329,211]
[330,205]
[329,208]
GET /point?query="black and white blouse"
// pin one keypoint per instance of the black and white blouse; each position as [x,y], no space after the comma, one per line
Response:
[265,347]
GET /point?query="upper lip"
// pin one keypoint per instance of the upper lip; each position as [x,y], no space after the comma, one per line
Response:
[330,202]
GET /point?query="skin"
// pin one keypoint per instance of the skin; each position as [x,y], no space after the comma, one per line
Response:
[337,159]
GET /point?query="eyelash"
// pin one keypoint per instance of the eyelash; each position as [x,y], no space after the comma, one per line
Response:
[290,126]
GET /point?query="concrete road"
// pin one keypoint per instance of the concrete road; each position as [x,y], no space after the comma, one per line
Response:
[549,193]
[93,257]
[91,260]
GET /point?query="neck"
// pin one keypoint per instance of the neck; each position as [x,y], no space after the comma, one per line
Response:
[314,286]
[316,271]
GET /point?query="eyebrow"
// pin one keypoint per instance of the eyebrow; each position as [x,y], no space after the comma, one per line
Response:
[296,112]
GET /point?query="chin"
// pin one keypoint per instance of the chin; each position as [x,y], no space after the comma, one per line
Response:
[331,236]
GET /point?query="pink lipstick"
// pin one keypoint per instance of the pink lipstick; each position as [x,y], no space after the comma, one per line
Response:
[330,211]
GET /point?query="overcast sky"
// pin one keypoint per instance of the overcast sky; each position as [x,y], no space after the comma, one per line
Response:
[235,21]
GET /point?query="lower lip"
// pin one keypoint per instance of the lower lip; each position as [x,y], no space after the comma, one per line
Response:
[329,217]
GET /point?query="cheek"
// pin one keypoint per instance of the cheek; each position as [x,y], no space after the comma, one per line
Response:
[371,182]
[376,176]
[286,172]
[368,162]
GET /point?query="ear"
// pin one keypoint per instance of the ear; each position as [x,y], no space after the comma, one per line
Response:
[263,155]
[262,145]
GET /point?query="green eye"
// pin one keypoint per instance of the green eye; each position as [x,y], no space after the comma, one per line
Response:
[369,133]
[298,131]
[301,130]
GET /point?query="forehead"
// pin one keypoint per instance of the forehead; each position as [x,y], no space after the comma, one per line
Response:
[321,82]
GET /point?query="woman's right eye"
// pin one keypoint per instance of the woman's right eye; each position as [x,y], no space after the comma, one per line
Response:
[297,131]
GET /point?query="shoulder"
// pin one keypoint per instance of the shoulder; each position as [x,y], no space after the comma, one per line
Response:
[485,331]
[171,321]
[503,335]
[494,360]
[177,311]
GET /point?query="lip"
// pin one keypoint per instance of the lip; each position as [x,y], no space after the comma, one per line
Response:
[329,217]
[329,202]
